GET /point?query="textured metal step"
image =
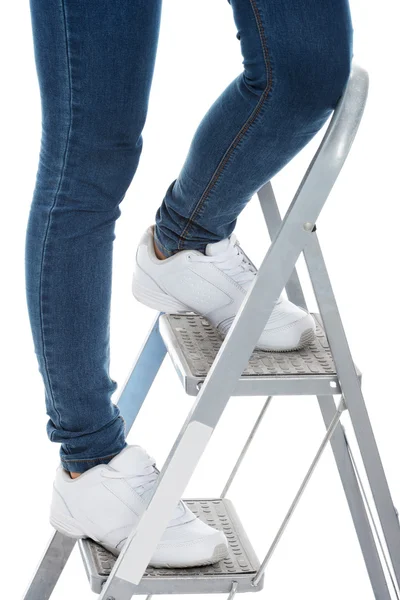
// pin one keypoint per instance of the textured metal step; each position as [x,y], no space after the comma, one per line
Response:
[193,343]
[241,565]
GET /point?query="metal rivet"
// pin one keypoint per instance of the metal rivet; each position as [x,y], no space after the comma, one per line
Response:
[198,386]
[308,226]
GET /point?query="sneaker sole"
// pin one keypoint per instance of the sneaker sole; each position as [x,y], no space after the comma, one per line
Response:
[157,300]
[68,526]
[306,338]
[165,303]
[220,552]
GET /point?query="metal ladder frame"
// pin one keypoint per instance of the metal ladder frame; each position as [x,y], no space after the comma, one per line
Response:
[290,237]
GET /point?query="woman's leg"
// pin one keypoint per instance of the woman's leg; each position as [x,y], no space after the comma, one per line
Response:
[297,56]
[94,62]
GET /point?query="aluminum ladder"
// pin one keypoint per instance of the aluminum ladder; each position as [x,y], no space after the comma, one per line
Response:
[212,371]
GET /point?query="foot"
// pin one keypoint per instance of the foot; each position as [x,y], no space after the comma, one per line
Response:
[214,285]
[106,502]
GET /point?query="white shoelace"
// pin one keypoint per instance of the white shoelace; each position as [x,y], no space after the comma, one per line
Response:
[144,480]
[233,261]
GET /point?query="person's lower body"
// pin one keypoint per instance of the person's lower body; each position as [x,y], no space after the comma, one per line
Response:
[95,63]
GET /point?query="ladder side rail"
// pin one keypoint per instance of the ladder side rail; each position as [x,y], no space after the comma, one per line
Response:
[242,337]
[338,442]
[355,502]
[351,389]
[142,375]
[273,220]
[233,591]
[51,566]
[377,533]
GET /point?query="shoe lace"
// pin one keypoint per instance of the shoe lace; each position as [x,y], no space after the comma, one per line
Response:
[233,261]
[142,481]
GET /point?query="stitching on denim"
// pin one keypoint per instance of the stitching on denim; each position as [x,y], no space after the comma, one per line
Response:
[263,38]
[240,135]
[53,205]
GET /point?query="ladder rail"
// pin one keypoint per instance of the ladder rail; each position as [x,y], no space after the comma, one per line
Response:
[371,516]
[354,400]
[233,591]
[339,444]
[243,335]
[142,375]
[355,502]
[273,220]
[50,567]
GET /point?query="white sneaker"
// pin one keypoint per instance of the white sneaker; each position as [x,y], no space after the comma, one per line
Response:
[105,503]
[214,285]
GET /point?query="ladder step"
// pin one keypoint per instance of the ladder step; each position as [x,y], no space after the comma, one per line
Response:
[193,343]
[241,565]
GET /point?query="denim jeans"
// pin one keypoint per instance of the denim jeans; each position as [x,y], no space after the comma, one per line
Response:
[94,61]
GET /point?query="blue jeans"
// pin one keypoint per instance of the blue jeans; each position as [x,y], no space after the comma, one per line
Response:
[94,61]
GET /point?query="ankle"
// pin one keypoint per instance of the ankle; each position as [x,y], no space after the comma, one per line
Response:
[159,254]
[73,475]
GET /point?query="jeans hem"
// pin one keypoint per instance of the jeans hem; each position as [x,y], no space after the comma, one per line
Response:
[165,251]
[80,465]
[168,253]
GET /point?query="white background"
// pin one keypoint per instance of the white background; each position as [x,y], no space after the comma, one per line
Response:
[198,56]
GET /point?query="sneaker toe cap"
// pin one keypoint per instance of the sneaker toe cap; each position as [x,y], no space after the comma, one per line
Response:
[293,334]
[190,544]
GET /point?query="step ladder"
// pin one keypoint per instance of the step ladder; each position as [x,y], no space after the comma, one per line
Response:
[213,370]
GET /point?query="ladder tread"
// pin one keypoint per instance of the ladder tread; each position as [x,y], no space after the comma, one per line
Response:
[193,343]
[241,565]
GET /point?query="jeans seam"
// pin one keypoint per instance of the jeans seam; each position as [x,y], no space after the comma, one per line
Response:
[52,207]
[242,132]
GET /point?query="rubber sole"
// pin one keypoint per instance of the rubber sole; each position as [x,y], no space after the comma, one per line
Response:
[68,526]
[307,337]
[157,299]
[162,302]
[220,552]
